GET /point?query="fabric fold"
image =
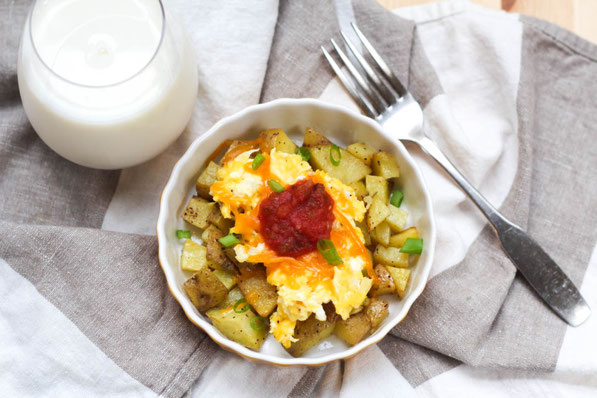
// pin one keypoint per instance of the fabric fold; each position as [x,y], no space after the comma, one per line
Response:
[475,311]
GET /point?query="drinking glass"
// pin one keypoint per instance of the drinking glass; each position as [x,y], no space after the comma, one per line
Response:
[106,83]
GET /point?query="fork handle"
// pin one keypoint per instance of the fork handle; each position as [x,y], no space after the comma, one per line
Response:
[493,215]
[537,267]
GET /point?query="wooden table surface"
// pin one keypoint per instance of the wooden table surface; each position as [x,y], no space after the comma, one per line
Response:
[579,16]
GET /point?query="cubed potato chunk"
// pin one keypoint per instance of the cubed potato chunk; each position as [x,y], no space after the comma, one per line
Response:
[368,201]
[313,138]
[386,283]
[385,165]
[233,296]
[259,293]
[227,278]
[377,311]
[399,239]
[379,187]
[205,290]
[197,212]
[363,227]
[216,218]
[353,329]
[206,179]
[359,189]
[362,151]
[310,333]
[349,170]
[237,327]
[400,277]
[390,256]
[194,256]
[381,233]
[397,218]
[215,251]
[378,212]
[276,138]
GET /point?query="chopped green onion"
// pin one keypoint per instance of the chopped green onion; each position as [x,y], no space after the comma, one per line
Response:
[335,149]
[183,234]
[260,324]
[396,198]
[412,246]
[257,161]
[305,153]
[239,308]
[275,186]
[328,251]
[229,241]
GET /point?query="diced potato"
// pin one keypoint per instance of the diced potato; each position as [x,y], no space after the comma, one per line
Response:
[397,218]
[233,296]
[390,256]
[216,218]
[197,212]
[215,250]
[368,201]
[381,233]
[237,147]
[231,254]
[227,278]
[385,165]
[310,333]
[259,293]
[349,170]
[359,189]
[377,213]
[206,179]
[194,256]
[237,327]
[276,138]
[377,311]
[363,227]
[313,138]
[362,151]
[399,239]
[235,144]
[379,187]
[205,290]
[353,329]
[400,277]
[386,283]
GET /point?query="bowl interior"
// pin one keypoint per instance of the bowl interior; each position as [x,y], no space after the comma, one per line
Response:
[341,126]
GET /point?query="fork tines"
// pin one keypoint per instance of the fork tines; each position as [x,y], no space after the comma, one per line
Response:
[380,88]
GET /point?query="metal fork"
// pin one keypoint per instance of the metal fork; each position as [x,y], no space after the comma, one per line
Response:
[381,96]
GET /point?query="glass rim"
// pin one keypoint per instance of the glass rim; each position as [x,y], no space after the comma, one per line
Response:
[131,77]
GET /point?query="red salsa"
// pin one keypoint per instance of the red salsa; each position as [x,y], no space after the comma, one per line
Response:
[293,220]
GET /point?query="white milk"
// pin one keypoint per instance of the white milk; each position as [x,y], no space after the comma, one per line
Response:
[108,89]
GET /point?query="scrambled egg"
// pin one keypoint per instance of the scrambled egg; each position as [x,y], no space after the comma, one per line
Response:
[307,282]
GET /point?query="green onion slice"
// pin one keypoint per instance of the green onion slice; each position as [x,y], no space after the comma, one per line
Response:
[396,198]
[275,186]
[328,251]
[257,161]
[257,323]
[412,246]
[183,234]
[305,153]
[334,149]
[229,241]
[239,308]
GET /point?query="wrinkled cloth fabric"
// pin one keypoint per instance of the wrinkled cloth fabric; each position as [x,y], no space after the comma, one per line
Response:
[84,306]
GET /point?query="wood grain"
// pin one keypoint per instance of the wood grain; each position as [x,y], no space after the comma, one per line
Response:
[575,15]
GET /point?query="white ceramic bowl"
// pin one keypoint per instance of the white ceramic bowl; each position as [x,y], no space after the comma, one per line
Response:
[293,115]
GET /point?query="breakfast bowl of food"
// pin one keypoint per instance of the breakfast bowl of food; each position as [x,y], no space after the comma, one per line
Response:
[296,232]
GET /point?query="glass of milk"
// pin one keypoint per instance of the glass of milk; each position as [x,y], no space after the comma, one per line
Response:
[106,83]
